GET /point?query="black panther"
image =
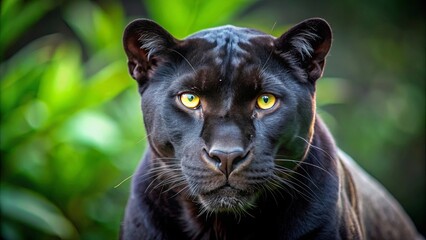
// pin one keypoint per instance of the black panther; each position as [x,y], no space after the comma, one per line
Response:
[235,147]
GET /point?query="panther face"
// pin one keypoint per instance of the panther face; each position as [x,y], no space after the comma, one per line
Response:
[229,111]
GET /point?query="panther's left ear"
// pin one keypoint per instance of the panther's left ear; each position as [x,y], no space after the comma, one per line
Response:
[307,45]
[147,45]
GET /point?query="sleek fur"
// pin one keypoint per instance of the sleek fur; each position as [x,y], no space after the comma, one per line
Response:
[231,170]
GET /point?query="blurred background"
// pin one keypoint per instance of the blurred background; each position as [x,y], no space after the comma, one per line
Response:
[71,127]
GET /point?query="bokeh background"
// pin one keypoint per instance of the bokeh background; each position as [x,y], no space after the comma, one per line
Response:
[71,128]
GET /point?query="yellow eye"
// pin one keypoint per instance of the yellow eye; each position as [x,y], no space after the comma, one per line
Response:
[266,101]
[190,100]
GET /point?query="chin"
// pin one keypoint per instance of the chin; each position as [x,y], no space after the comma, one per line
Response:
[227,200]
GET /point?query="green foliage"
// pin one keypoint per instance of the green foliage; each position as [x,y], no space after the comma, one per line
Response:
[65,122]
[17,16]
[189,16]
[34,210]
[71,131]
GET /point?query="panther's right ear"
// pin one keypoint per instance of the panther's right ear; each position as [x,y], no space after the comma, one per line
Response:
[146,44]
[306,45]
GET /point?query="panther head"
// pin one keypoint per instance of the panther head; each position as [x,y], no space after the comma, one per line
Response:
[229,111]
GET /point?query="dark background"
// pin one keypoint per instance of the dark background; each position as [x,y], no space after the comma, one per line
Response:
[71,129]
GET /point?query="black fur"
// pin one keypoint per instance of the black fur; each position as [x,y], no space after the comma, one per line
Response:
[230,170]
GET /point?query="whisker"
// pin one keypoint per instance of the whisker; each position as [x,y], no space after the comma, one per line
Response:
[193,69]
[127,178]
[244,210]
[290,184]
[301,184]
[273,27]
[268,189]
[180,191]
[172,179]
[286,170]
[276,182]
[156,170]
[316,147]
[144,138]
[263,69]
[305,163]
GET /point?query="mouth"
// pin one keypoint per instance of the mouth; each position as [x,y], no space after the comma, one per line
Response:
[227,199]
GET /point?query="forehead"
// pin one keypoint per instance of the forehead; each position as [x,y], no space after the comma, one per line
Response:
[224,58]
[230,46]
[222,35]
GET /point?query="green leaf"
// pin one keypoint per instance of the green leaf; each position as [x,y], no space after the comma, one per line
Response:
[217,12]
[99,28]
[106,84]
[60,86]
[332,91]
[17,16]
[94,129]
[34,210]
[189,16]
[21,74]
